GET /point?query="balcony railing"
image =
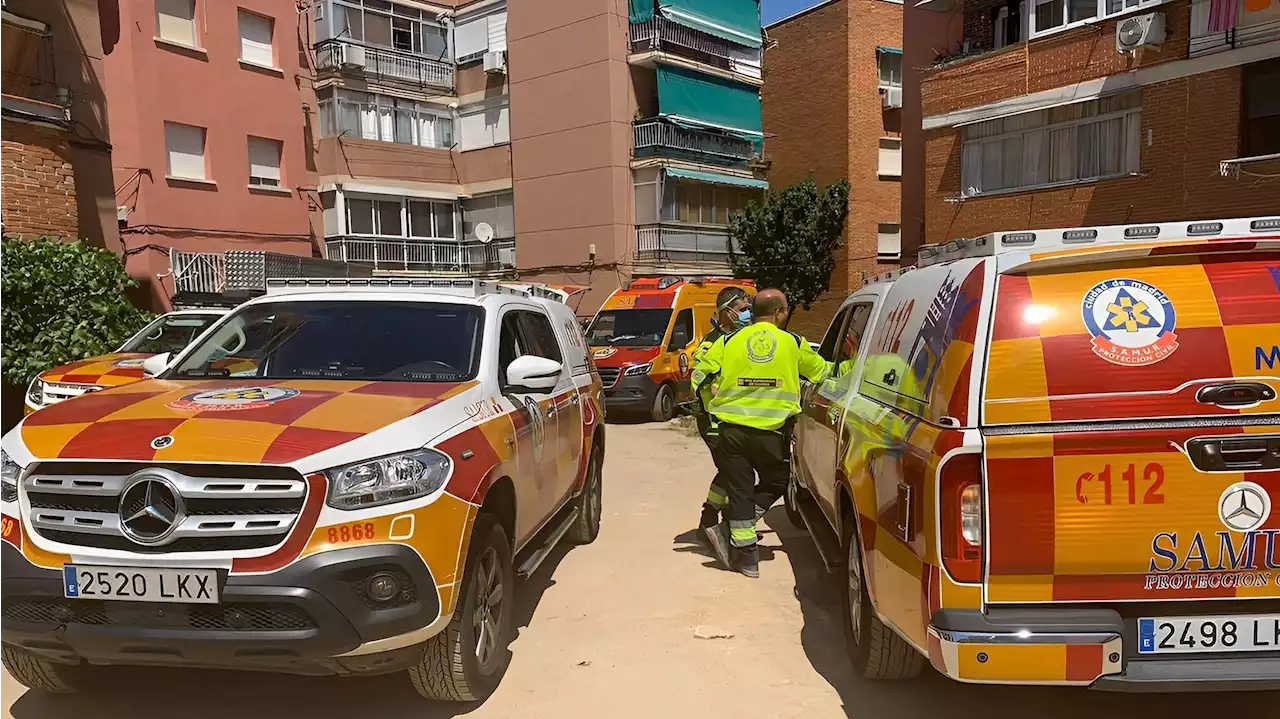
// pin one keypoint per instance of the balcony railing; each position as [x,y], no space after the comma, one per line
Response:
[28,77]
[383,64]
[1205,41]
[464,258]
[683,244]
[655,137]
[662,34]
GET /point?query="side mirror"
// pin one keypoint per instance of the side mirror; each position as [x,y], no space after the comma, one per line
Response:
[533,374]
[155,364]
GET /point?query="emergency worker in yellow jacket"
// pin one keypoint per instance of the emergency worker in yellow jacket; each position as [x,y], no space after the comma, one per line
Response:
[733,312]
[757,372]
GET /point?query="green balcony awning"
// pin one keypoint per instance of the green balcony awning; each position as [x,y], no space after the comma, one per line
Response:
[715,179]
[686,96]
[889,50]
[734,20]
[640,10]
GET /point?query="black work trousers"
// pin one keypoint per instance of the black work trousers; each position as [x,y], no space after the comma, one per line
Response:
[742,453]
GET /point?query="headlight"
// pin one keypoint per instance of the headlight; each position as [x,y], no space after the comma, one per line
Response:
[638,369]
[9,472]
[388,479]
[35,392]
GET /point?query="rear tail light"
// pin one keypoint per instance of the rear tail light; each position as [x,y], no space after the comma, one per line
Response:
[960,481]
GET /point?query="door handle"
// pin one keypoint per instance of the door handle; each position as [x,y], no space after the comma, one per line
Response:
[1235,454]
[1235,394]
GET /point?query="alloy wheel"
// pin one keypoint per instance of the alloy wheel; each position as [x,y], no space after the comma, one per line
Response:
[489,607]
[854,564]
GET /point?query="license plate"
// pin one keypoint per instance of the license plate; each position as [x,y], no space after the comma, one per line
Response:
[1187,635]
[140,584]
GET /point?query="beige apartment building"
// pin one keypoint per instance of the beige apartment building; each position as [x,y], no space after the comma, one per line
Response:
[578,142]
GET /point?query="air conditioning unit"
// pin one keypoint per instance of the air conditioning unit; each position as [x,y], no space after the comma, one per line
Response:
[892,97]
[352,56]
[1138,31]
[495,63]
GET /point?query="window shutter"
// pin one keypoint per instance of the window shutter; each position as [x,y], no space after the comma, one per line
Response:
[184,146]
[889,241]
[264,159]
[176,21]
[890,158]
[255,39]
[498,32]
[471,38]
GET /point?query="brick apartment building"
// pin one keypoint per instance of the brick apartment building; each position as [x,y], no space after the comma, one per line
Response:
[1032,118]
[832,108]
[55,160]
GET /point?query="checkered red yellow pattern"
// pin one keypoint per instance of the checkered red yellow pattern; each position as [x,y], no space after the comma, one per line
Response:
[1083,516]
[121,423]
[104,371]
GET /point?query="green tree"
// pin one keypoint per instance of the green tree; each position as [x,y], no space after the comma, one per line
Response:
[63,301]
[789,241]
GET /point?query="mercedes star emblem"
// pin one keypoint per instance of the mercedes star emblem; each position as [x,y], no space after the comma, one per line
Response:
[1244,507]
[150,508]
[162,441]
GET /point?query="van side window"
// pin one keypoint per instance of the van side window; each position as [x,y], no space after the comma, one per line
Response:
[847,353]
[682,330]
[509,344]
[541,337]
[829,342]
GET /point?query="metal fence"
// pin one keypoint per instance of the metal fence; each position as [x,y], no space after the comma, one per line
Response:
[1205,41]
[662,34]
[652,136]
[198,272]
[464,258]
[384,64]
[683,244]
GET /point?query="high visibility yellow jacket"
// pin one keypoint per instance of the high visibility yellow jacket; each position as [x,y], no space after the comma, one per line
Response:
[757,374]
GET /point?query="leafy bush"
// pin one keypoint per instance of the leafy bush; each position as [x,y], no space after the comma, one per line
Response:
[62,302]
[789,241]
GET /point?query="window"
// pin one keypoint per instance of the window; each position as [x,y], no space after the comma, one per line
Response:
[498,211]
[1006,23]
[374,217]
[890,157]
[475,36]
[1052,15]
[388,119]
[431,219]
[890,67]
[255,39]
[851,342]
[681,331]
[386,24]
[484,125]
[176,21]
[698,203]
[184,148]
[540,338]
[628,328]
[1261,131]
[264,162]
[171,333]
[888,241]
[1082,141]
[829,341]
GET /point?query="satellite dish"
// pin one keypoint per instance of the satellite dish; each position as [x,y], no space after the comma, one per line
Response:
[484,232]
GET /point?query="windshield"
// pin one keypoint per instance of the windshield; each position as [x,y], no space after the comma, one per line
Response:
[393,341]
[629,328]
[171,333]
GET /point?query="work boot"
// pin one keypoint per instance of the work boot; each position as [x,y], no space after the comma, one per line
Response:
[747,561]
[710,517]
[717,538]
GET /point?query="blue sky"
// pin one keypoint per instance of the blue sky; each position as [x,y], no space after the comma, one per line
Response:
[771,10]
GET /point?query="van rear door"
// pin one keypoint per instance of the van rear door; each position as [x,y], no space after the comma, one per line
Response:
[1131,429]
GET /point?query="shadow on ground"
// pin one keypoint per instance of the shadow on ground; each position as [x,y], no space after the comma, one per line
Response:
[154,693]
[934,695]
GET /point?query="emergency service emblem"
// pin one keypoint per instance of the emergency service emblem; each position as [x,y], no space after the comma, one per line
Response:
[232,399]
[604,352]
[684,364]
[536,426]
[761,346]
[1131,322]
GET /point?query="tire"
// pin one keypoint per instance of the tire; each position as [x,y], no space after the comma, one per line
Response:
[586,527]
[790,499]
[874,649]
[664,404]
[450,669]
[40,674]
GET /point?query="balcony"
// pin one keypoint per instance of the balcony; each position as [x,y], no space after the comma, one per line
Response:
[659,34]
[671,245]
[1242,30]
[383,65]
[30,92]
[443,256]
[656,137]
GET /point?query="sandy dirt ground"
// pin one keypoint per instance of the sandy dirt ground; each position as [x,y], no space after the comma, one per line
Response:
[608,630]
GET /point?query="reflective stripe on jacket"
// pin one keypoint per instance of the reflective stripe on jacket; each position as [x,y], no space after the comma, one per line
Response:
[759,370]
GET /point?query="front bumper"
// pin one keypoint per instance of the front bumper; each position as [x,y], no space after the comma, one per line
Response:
[300,619]
[635,392]
[1081,647]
